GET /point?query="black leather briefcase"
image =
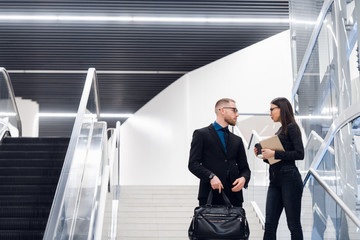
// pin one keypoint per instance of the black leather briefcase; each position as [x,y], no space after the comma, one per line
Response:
[212,222]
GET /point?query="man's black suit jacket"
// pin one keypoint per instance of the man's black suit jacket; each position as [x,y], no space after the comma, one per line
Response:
[207,155]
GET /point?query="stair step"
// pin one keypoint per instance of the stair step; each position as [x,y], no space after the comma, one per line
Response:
[29,171]
[33,147]
[53,162]
[163,212]
[22,224]
[28,180]
[20,235]
[25,212]
[27,189]
[35,140]
[31,154]
[25,200]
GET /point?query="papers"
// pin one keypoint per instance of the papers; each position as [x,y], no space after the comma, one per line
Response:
[272,143]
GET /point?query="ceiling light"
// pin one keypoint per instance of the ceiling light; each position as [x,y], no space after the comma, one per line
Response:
[20,17]
[313,117]
[73,115]
[57,115]
[8,114]
[116,115]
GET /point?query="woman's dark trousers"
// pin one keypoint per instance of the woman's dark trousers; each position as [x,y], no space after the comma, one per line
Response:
[284,192]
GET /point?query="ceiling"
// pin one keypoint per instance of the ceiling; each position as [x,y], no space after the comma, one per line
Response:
[135,59]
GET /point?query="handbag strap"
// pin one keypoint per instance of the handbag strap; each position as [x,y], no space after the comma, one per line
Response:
[225,198]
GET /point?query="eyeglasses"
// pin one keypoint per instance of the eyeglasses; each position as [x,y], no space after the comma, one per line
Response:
[234,109]
[271,109]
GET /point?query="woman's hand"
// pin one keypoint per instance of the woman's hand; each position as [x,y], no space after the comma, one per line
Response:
[255,151]
[267,153]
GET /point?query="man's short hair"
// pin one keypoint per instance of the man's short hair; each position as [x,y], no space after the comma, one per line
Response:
[222,102]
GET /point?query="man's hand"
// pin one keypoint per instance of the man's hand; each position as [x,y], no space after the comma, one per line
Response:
[238,184]
[216,183]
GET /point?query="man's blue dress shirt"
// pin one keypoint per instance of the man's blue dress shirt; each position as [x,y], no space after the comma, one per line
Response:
[220,132]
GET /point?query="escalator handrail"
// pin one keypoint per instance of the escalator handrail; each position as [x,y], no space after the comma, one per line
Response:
[12,97]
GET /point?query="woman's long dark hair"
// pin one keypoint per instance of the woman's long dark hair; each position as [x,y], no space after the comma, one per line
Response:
[286,113]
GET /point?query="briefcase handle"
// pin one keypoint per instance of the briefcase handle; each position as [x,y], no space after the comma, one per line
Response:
[225,198]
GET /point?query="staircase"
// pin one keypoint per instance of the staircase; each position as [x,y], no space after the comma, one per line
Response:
[29,172]
[162,213]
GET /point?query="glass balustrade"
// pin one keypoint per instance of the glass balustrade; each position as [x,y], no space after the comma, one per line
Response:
[326,97]
[76,207]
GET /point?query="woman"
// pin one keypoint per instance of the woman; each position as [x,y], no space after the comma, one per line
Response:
[286,186]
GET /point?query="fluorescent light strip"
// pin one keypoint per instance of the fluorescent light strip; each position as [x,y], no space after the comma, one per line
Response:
[57,115]
[313,117]
[127,115]
[72,115]
[116,115]
[98,72]
[141,19]
[7,114]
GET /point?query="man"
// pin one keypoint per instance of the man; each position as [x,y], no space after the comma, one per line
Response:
[218,159]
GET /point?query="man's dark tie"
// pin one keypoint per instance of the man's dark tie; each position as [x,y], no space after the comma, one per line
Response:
[226,134]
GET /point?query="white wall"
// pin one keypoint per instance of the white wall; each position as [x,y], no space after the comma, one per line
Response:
[155,142]
[28,111]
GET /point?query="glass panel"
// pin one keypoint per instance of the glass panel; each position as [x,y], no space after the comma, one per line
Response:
[354,37]
[317,97]
[329,221]
[311,148]
[75,205]
[303,15]
[91,106]
[327,168]
[340,169]
[73,187]
[331,80]
[259,182]
[347,164]
[90,186]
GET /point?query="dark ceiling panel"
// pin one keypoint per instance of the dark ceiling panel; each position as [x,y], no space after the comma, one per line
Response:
[34,45]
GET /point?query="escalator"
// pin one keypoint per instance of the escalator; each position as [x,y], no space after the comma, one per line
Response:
[58,188]
[29,173]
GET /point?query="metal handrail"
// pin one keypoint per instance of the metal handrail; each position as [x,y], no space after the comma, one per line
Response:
[310,47]
[259,214]
[12,97]
[338,200]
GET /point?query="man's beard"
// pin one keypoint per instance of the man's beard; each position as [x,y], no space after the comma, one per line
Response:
[230,121]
